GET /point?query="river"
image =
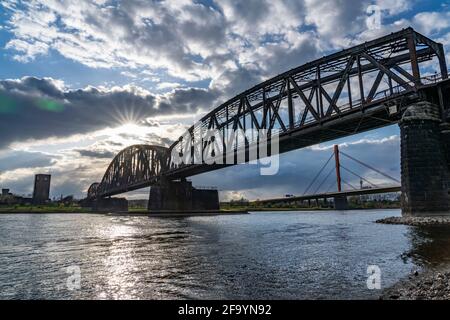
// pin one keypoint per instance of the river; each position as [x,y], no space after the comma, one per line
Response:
[270,255]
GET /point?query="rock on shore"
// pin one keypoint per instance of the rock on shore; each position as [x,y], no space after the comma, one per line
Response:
[430,285]
[417,221]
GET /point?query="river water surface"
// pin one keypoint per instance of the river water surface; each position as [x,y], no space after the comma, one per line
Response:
[271,255]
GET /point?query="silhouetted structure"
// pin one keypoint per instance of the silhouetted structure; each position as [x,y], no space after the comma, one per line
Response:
[41,191]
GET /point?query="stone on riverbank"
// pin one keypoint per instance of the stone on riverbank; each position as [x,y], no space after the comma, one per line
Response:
[431,285]
[417,221]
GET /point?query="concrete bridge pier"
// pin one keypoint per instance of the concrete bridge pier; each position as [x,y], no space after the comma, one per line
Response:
[340,203]
[181,196]
[424,161]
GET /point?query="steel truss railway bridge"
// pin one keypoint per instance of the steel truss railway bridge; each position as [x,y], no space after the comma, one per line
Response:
[400,78]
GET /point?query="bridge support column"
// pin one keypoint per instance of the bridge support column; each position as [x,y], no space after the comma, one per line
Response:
[424,166]
[340,203]
[181,196]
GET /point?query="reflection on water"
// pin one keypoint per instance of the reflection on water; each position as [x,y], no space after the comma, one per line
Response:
[430,246]
[262,255]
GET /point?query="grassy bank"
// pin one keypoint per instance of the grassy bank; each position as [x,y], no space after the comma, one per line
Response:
[224,207]
[44,209]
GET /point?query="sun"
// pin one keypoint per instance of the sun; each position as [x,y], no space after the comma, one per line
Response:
[129,127]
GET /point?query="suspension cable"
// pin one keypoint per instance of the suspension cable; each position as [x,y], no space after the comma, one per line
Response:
[350,171]
[331,186]
[323,181]
[345,182]
[370,167]
[318,174]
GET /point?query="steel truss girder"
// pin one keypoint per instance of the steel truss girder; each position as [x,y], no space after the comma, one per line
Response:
[286,103]
[132,168]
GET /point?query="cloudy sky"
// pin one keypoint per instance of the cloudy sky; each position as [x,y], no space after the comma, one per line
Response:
[80,80]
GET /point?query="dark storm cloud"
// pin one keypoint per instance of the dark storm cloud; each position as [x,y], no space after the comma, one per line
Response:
[24,159]
[32,108]
[112,143]
[189,99]
[96,154]
[149,138]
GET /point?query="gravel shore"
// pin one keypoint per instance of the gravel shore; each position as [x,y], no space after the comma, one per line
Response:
[429,285]
[417,221]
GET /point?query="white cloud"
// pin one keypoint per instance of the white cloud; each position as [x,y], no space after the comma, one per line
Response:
[394,7]
[167,85]
[430,22]
[189,40]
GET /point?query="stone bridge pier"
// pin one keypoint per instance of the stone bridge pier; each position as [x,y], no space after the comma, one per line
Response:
[181,196]
[425,155]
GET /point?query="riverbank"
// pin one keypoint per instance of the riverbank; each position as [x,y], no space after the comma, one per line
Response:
[433,281]
[44,209]
[177,214]
[431,284]
[417,221]
[131,212]
[226,210]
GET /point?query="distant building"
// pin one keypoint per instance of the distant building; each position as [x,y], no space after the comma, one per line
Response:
[41,193]
[68,200]
[240,202]
[7,198]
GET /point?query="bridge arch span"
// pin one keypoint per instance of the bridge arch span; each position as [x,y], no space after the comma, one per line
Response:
[135,167]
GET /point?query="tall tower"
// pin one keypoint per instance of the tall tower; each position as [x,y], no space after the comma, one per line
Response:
[41,191]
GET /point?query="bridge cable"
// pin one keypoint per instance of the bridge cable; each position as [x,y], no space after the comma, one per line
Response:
[351,186]
[324,180]
[370,167]
[318,174]
[350,171]
[333,184]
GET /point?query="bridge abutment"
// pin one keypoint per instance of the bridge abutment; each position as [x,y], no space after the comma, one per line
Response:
[181,196]
[424,164]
